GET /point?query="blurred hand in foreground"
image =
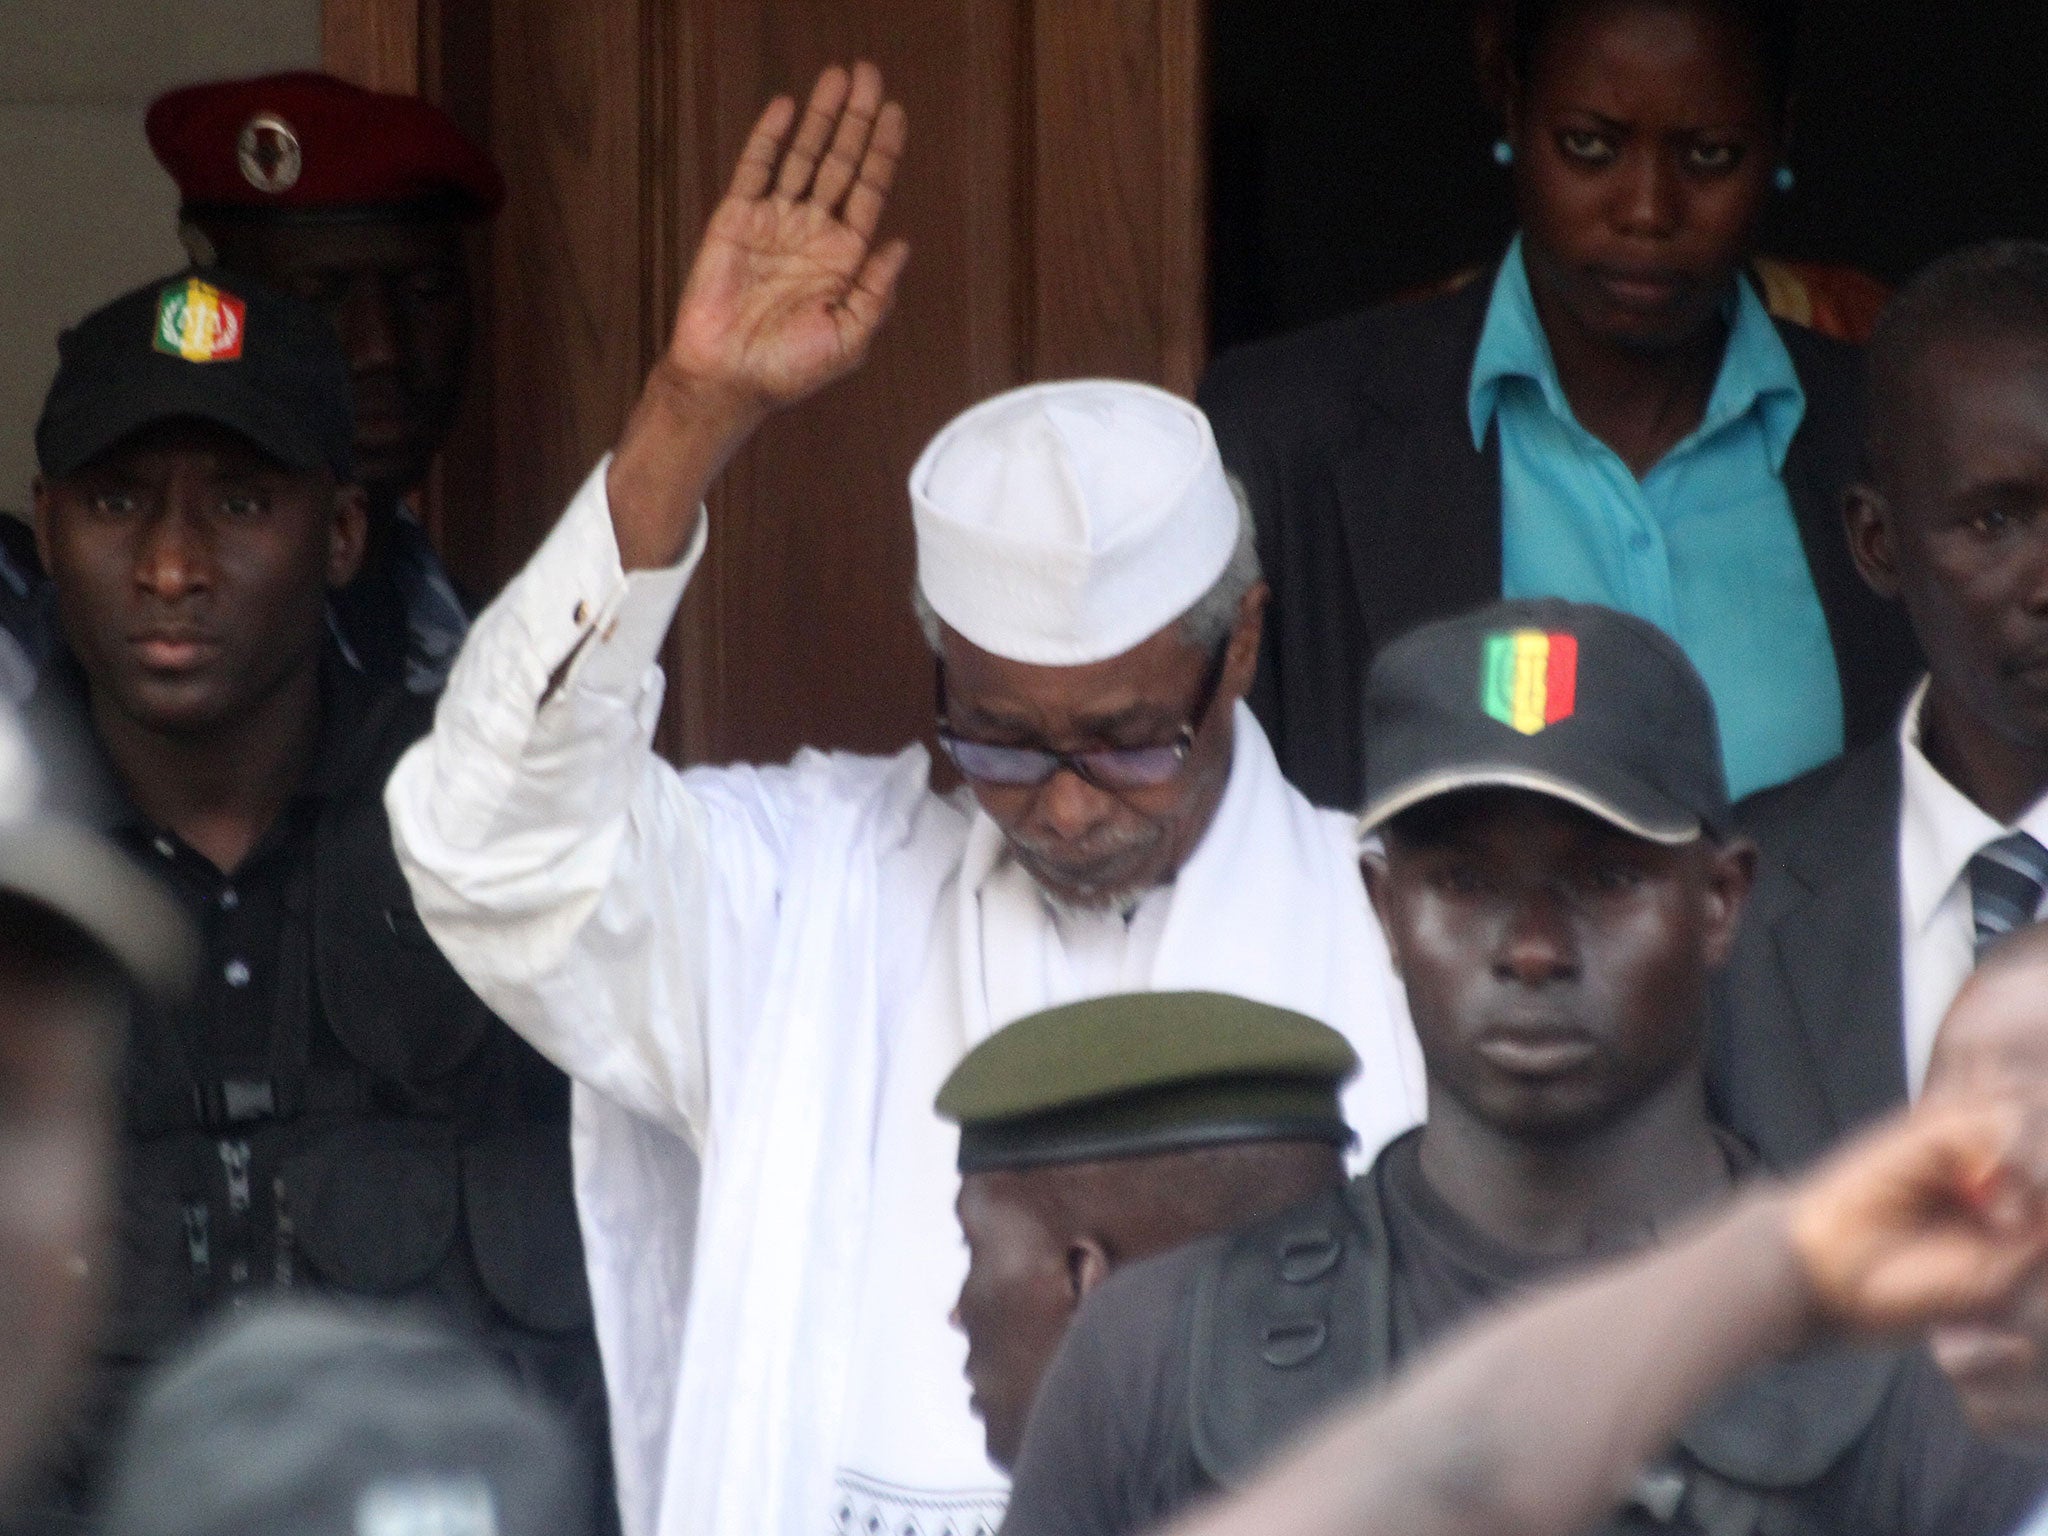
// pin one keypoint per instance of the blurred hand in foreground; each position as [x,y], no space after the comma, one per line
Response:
[1939,1216]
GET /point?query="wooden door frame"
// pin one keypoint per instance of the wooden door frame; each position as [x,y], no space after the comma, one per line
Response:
[375,43]
[1099,270]
[393,45]
[1119,251]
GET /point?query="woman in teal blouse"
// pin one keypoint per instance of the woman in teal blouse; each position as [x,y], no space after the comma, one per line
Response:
[1612,417]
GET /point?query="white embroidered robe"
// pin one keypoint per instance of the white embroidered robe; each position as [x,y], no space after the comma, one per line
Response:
[758,978]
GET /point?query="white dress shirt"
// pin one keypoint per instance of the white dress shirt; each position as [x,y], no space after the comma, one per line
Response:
[1940,830]
[758,978]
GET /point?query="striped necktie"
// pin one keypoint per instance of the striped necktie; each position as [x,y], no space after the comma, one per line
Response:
[2007,881]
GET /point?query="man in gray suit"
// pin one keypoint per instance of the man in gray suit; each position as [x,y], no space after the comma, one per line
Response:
[1886,874]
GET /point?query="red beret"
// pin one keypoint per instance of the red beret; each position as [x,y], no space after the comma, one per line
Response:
[309,144]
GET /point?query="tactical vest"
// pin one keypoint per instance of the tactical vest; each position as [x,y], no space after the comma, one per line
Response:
[430,1164]
[1295,1317]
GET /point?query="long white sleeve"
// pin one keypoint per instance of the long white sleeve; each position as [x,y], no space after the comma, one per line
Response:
[563,868]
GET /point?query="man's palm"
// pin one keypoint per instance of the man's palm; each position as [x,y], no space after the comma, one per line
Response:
[787,291]
[766,299]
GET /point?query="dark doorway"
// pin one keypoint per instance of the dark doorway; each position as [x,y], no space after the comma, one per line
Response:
[1350,146]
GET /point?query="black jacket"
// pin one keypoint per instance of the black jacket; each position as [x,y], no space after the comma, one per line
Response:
[1808,1018]
[1375,513]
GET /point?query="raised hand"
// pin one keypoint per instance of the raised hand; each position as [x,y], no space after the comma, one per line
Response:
[786,293]
[788,289]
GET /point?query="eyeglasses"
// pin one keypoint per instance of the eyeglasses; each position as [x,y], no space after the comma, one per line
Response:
[1107,768]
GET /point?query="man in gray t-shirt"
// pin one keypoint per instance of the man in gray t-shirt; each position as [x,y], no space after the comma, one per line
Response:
[1556,899]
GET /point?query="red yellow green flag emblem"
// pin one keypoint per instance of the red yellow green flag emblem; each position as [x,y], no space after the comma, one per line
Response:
[199,322]
[1529,679]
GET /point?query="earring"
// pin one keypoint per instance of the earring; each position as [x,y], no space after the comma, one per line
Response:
[1785,180]
[1503,152]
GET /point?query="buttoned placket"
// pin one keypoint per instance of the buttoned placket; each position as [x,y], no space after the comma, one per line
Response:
[240,917]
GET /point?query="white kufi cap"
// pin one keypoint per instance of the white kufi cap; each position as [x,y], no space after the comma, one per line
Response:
[1062,524]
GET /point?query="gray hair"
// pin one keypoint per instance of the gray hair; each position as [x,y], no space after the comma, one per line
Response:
[1204,626]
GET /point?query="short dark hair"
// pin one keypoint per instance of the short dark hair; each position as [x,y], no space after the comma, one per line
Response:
[1773,26]
[1996,289]
[1134,1204]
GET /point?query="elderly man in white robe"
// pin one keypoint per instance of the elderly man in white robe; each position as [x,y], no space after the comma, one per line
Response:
[768,972]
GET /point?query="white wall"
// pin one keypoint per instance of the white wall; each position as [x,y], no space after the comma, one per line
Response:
[85,211]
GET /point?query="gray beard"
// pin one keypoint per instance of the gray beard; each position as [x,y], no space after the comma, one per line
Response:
[1122,903]
[1121,900]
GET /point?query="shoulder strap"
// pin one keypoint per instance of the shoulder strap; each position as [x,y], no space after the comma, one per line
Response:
[1291,1317]
[1783,1427]
[1744,1467]
[392,1001]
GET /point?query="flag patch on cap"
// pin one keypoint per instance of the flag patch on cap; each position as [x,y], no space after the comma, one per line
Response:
[199,322]
[1529,679]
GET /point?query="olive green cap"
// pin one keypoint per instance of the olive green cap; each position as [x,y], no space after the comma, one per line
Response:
[1146,1072]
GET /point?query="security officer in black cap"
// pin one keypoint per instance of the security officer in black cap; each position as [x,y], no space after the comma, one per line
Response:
[1106,1131]
[333,1110]
[1553,864]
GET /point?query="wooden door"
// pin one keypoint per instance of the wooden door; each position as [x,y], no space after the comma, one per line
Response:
[1053,198]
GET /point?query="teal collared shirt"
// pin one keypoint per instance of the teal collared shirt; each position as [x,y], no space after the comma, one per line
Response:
[1704,546]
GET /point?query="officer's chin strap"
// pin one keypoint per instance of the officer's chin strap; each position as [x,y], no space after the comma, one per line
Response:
[348,652]
[198,244]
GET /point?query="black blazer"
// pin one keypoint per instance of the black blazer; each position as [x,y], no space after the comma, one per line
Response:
[1807,1037]
[1375,513]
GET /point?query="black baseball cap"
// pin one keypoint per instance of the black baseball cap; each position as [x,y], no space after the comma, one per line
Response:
[201,344]
[1597,708]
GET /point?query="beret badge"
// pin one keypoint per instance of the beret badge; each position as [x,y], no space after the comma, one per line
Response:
[268,153]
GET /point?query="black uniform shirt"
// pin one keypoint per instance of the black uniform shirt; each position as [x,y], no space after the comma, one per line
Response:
[223,1055]
[240,917]
[1108,1447]
[333,1111]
